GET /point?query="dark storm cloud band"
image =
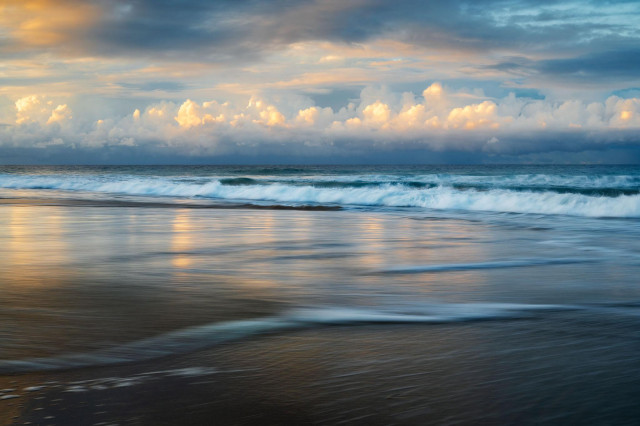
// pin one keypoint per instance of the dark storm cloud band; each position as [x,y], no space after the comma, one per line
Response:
[578,39]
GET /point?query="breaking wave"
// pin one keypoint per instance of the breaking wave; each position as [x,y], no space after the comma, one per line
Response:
[604,196]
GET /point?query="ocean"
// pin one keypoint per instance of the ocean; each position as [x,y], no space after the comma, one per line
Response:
[320,294]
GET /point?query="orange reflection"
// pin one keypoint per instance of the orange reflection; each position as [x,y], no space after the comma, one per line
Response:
[34,250]
[372,230]
[181,241]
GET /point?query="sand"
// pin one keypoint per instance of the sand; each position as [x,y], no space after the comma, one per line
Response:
[515,372]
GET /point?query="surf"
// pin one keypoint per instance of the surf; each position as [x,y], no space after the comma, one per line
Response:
[598,195]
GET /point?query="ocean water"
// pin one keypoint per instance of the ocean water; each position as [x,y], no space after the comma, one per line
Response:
[109,265]
[587,191]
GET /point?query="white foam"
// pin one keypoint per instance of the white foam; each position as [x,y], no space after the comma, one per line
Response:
[34,388]
[384,195]
[419,313]
[9,396]
[539,180]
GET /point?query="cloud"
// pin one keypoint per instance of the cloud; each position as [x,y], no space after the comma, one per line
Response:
[439,120]
[60,114]
[163,86]
[240,30]
[38,109]
[276,78]
[619,64]
[616,65]
[39,24]
[140,51]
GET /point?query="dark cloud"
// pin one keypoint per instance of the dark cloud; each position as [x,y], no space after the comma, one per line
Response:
[584,45]
[616,64]
[513,64]
[335,99]
[568,148]
[566,143]
[241,30]
[609,67]
[581,42]
[225,30]
[246,28]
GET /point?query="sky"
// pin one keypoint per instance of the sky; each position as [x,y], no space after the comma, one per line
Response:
[319,82]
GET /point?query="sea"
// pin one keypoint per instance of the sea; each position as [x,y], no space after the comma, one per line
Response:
[493,294]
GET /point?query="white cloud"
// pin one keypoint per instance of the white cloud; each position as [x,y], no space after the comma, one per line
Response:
[41,110]
[439,120]
[189,114]
[377,114]
[60,114]
[476,116]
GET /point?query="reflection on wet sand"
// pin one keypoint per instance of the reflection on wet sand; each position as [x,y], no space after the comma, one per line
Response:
[106,275]
[34,248]
[89,280]
[181,243]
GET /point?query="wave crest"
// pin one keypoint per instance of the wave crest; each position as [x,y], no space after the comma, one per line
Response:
[603,202]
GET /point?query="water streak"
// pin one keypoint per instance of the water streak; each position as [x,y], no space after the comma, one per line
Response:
[208,335]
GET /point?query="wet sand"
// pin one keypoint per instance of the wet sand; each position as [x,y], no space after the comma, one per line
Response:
[550,371]
[406,319]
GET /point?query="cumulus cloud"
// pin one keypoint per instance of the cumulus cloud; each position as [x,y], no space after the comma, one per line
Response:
[60,114]
[39,109]
[437,120]
[283,77]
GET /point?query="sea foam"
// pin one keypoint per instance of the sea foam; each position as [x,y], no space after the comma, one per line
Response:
[461,193]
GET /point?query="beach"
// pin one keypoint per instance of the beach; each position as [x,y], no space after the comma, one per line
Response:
[319,212]
[522,372]
[319,295]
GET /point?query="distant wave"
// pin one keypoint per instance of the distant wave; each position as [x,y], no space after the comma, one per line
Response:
[208,335]
[239,181]
[604,196]
[538,180]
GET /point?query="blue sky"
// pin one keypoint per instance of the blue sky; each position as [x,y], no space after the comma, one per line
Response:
[329,81]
